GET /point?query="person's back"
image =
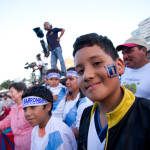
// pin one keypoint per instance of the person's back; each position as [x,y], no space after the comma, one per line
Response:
[117,119]
[48,131]
[136,76]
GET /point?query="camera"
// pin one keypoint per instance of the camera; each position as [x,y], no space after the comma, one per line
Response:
[40,34]
[30,65]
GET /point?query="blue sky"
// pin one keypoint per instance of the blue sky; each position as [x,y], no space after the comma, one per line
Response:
[19,44]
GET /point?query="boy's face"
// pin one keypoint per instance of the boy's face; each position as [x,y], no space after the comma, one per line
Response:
[98,73]
[53,82]
[37,115]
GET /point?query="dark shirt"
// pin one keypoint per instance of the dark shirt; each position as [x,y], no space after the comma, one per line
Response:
[52,37]
[130,133]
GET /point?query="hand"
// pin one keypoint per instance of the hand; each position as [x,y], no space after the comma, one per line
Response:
[54,97]
[69,96]
[58,39]
[47,54]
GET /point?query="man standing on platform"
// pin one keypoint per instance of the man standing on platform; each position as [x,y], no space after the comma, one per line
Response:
[53,41]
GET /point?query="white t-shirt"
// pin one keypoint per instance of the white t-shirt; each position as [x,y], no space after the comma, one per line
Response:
[93,140]
[58,136]
[56,90]
[137,81]
[72,114]
[7,102]
[40,63]
[1,105]
[58,105]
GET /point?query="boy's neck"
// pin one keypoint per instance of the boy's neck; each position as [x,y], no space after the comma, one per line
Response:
[54,86]
[44,123]
[109,105]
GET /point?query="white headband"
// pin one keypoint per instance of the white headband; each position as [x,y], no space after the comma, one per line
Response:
[72,73]
[51,75]
[33,101]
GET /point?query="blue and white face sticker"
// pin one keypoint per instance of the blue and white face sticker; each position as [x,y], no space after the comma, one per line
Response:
[33,101]
[51,75]
[72,73]
[111,70]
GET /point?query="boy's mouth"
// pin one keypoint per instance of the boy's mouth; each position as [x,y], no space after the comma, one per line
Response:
[30,120]
[92,86]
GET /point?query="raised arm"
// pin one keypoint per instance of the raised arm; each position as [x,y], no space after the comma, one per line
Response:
[62,32]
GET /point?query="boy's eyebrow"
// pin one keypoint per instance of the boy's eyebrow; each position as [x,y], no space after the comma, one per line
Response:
[79,65]
[90,58]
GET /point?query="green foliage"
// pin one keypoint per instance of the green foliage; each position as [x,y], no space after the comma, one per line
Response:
[5,84]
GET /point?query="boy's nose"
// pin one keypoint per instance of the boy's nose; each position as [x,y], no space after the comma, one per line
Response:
[88,74]
[27,112]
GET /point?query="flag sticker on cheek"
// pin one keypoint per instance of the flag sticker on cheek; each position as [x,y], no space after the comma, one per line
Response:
[111,70]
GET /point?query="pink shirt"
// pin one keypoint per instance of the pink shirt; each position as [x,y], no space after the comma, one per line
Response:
[20,127]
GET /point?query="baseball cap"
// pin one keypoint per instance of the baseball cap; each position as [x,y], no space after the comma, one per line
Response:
[38,55]
[5,94]
[132,42]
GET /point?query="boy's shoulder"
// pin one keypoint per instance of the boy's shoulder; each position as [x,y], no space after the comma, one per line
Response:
[84,127]
[85,119]
[143,103]
[56,124]
[85,101]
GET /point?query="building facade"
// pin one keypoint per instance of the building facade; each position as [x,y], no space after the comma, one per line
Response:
[143,31]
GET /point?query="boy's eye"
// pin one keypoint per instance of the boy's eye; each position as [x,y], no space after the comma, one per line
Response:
[96,63]
[71,79]
[25,108]
[80,72]
[32,107]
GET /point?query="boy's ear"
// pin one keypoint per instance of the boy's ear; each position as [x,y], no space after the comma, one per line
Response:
[48,106]
[120,66]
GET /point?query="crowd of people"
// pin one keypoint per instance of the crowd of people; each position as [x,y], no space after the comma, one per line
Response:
[103,102]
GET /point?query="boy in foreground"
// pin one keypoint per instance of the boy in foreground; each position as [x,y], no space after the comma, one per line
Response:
[118,120]
[48,133]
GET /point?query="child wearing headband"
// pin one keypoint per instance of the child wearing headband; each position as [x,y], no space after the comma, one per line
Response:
[76,102]
[48,132]
[58,91]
